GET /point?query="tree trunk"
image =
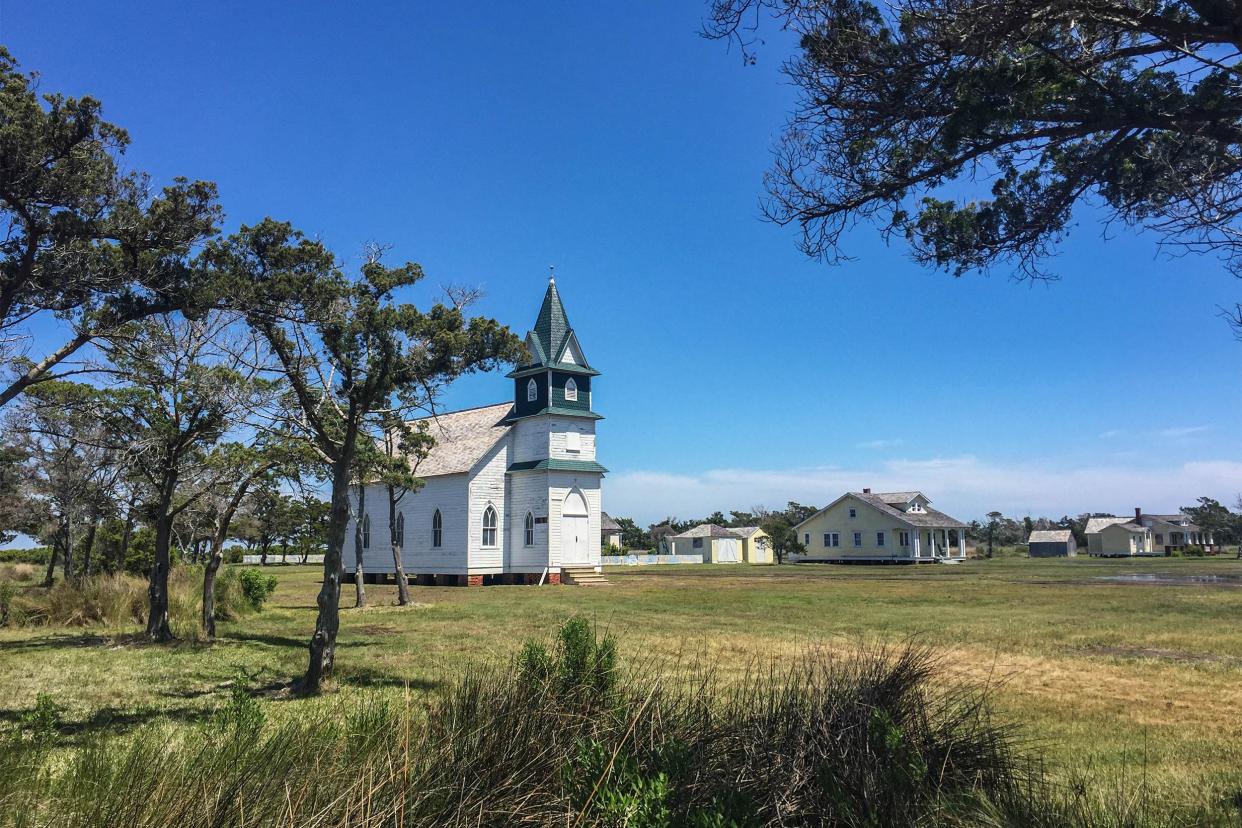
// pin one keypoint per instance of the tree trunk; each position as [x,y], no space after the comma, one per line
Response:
[403,587]
[50,578]
[158,628]
[216,556]
[126,536]
[88,548]
[323,643]
[360,591]
[263,553]
[67,559]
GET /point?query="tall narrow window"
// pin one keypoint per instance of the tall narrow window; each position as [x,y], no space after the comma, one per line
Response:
[489,526]
[571,390]
[366,531]
[529,538]
[532,390]
[879,538]
[437,530]
[398,531]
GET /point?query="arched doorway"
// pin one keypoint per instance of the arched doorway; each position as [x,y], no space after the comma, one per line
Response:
[575,530]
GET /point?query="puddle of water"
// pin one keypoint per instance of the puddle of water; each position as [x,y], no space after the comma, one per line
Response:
[1174,580]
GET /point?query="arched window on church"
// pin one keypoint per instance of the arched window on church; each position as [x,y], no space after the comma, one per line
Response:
[529,537]
[366,531]
[532,390]
[571,390]
[437,530]
[489,526]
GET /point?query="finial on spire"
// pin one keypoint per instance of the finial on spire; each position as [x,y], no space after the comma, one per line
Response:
[551,274]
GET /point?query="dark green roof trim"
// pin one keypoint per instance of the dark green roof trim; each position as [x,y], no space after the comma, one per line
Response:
[566,412]
[563,367]
[559,465]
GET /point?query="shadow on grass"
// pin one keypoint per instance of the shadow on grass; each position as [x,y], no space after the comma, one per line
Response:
[367,677]
[114,722]
[93,640]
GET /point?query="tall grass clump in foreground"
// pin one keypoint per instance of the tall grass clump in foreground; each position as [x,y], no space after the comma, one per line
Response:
[563,737]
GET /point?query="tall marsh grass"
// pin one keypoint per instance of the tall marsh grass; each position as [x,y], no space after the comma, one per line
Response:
[118,601]
[564,737]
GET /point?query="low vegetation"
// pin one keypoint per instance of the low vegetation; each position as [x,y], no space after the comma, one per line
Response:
[565,736]
[117,601]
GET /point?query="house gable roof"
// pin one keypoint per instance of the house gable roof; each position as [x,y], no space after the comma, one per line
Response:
[1051,536]
[607,524]
[1099,524]
[927,518]
[708,530]
[462,438]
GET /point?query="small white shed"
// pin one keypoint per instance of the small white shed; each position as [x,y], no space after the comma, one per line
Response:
[714,543]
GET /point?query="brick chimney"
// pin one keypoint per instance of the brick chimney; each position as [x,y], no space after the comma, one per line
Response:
[1138,515]
[866,491]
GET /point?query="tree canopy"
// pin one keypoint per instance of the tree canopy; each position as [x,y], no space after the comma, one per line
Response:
[83,239]
[972,128]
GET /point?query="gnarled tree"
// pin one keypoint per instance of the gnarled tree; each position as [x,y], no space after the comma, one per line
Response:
[82,240]
[354,357]
[974,127]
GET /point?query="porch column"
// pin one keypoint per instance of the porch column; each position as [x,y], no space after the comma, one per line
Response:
[915,536]
[961,543]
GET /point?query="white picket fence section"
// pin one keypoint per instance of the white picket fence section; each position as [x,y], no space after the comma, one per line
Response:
[650,560]
[274,560]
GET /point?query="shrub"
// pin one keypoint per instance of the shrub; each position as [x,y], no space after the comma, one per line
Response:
[257,586]
[7,591]
[233,555]
[1193,551]
[41,724]
[37,556]
[242,717]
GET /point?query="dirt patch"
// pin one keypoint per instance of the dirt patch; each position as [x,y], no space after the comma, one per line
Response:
[1179,656]
[379,629]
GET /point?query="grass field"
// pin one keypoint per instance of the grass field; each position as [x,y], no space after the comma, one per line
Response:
[1122,679]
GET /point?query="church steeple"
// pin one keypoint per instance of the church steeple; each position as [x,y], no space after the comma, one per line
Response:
[557,377]
[552,325]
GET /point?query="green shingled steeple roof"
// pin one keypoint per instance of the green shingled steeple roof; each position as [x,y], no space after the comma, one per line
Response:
[551,338]
[552,326]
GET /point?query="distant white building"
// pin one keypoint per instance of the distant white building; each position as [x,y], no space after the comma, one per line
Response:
[512,490]
[1119,537]
[714,543]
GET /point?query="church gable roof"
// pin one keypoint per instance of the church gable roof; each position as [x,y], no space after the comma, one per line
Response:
[462,438]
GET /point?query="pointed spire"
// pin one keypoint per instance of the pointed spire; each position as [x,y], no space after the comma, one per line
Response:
[552,326]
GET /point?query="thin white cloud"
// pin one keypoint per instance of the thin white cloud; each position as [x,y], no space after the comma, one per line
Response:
[965,487]
[1181,431]
[879,444]
[1111,433]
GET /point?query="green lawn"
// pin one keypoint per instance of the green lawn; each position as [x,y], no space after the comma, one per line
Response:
[1128,678]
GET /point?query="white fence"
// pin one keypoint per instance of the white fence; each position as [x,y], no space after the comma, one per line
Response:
[650,560]
[275,559]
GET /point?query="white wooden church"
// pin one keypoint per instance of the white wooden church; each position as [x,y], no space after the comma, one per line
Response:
[512,490]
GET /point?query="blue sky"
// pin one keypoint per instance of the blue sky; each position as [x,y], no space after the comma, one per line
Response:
[487,141]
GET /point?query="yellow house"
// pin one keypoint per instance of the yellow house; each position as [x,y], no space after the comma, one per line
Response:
[1114,537]
[756,545]
[884,527]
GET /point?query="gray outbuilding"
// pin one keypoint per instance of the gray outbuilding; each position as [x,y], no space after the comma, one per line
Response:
[1052,543]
